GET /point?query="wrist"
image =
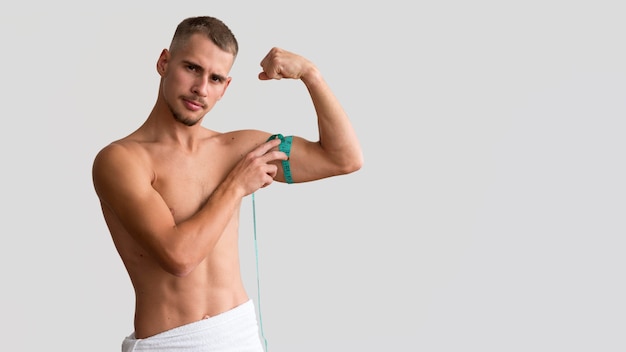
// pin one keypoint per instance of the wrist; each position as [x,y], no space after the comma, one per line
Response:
[311,76]
[229,189]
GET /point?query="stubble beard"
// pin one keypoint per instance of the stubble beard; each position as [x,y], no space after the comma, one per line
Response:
[179,117]
[185,121]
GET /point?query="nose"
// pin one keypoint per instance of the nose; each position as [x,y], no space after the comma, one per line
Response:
[200,86]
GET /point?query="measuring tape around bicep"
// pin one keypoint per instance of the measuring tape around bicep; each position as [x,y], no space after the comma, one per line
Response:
[285,147]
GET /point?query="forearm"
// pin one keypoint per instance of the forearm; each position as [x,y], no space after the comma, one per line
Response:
[336,134]
[200,233]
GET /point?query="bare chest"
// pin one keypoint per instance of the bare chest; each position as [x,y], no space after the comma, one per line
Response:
[186,182]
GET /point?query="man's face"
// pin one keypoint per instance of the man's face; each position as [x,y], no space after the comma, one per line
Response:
[194,78]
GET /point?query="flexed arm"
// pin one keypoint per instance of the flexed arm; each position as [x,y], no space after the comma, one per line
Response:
[338,150]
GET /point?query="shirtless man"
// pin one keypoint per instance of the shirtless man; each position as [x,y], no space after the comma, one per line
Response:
[171,191]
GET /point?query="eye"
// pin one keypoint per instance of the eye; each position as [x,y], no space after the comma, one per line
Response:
[192,68]
[217,78]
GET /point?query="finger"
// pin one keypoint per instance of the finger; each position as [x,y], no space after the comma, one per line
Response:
[264,64]
[263,76]
[265,147]
[271,171]
[266,58]
[269,56]
[273,156]
[269,177]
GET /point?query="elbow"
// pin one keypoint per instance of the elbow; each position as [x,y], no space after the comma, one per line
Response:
[180,271]
[178,266]
[177,269]
[357,163]
[352,164]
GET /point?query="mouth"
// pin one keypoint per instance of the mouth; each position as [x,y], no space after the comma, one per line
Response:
[193,105]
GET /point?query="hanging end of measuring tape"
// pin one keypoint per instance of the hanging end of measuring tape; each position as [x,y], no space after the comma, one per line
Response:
[285,147]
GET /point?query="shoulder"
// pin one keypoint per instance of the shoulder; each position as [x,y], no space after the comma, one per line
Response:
[121,159]
[119,151]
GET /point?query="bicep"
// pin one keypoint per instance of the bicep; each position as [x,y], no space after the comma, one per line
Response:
[308,161]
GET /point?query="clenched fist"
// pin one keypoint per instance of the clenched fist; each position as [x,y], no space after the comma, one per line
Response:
[279,63]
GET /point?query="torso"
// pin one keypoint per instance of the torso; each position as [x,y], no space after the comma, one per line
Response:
[185,181]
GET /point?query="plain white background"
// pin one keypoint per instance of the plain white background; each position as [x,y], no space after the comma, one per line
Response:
[489,215]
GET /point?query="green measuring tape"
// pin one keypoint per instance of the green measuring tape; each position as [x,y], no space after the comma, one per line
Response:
[285,147]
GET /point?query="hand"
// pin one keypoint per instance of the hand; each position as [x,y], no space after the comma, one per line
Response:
[255,170]
[279,63]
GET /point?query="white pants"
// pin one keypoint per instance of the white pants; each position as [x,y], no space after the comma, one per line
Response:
[234,330]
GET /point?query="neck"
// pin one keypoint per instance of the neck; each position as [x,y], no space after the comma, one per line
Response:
[163,127]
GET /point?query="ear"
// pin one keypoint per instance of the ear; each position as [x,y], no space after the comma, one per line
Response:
[161,65]
[225,86]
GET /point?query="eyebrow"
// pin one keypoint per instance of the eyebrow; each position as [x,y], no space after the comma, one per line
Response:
[215,75]
[220,77]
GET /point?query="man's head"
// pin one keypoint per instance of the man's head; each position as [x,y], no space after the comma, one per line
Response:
[194,71]
[211,27]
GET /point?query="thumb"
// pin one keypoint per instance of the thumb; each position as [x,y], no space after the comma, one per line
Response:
[264,76]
